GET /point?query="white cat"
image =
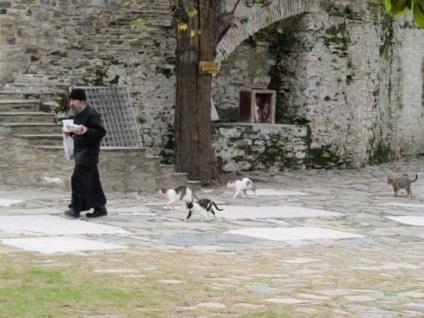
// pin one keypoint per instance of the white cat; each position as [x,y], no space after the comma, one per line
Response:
[181,194]
[242,185]
[201,206]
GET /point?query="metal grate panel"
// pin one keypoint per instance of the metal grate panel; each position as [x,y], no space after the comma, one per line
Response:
[117,113]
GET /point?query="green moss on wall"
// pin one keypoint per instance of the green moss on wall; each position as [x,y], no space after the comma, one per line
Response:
[275,84]
[274,152]
[271,154]
[381,154]
[382,19]
[280,44]
[323,157]
[100,76]
[62,100]
[386,47]
[337,39]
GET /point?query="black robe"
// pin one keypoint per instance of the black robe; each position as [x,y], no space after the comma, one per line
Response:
[87,190]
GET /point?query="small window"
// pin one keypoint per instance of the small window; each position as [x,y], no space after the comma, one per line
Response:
[257,106]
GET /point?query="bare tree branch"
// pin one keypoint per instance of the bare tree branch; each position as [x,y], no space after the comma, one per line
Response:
[225,21]
[179,9]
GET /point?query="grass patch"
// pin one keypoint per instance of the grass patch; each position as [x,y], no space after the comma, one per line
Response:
[35,292]
[153,284]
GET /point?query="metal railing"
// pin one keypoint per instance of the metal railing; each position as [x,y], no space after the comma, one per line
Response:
[117,114]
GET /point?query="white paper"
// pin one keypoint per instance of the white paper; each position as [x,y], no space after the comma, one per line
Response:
[66,122]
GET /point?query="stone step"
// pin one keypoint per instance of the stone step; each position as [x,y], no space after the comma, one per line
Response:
[35,152]
[33,128]
[31,96]
[38,79]
[42,139]
[26,117]
[15,105]
[35,87]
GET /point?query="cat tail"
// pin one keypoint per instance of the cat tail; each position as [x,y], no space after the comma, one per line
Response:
[416,177]
[214,204]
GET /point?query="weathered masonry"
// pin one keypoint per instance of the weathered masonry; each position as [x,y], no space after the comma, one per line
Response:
[348,77]
[349,82]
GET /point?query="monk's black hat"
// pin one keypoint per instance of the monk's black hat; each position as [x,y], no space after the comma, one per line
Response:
[78,93]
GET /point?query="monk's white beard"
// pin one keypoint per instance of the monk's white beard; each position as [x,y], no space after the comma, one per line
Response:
[74,111]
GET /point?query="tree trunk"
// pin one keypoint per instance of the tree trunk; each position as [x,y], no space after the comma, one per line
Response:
[193,128]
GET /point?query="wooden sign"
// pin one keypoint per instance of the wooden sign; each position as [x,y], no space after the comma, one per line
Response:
[208,67]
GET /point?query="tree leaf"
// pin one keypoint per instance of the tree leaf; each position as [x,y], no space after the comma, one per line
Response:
[419,13]
[192,13]
[398,7]
[420,3]
[193,33]
[182,26]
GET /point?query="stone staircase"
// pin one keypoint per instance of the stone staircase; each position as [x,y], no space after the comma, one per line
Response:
[33,153]
[24,120]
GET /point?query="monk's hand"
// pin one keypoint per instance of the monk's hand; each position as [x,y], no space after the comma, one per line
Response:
[65,132]
[82,131]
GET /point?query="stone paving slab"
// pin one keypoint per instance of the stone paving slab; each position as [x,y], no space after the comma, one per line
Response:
[279,192]
[33,194]
[9,202]
[296,233]
[401,204]
[53,225]
[32,211]
[409,220]
[265,212]
[60,244]
[348,254]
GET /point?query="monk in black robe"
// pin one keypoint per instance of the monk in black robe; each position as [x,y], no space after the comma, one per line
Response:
[87,190]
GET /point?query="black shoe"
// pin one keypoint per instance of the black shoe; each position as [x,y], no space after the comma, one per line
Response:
[101,211]
[72,213]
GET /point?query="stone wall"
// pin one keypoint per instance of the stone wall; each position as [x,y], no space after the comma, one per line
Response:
[411,94]
[344,72]
[247,147]
[54,44]
[121,170]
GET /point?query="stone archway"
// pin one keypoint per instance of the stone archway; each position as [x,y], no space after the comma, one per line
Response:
[250,20]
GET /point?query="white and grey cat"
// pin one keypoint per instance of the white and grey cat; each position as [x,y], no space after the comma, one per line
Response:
[401,183]
[181,194]
[242,186]
[202,206]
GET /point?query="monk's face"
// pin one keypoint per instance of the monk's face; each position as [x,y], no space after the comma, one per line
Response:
[77,106]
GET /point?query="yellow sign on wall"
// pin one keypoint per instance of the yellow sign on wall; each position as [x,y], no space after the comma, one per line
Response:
[208,67]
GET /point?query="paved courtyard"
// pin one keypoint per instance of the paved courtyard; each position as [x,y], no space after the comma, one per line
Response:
[335,238]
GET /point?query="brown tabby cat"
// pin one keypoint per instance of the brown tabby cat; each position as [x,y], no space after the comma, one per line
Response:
[401,183]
